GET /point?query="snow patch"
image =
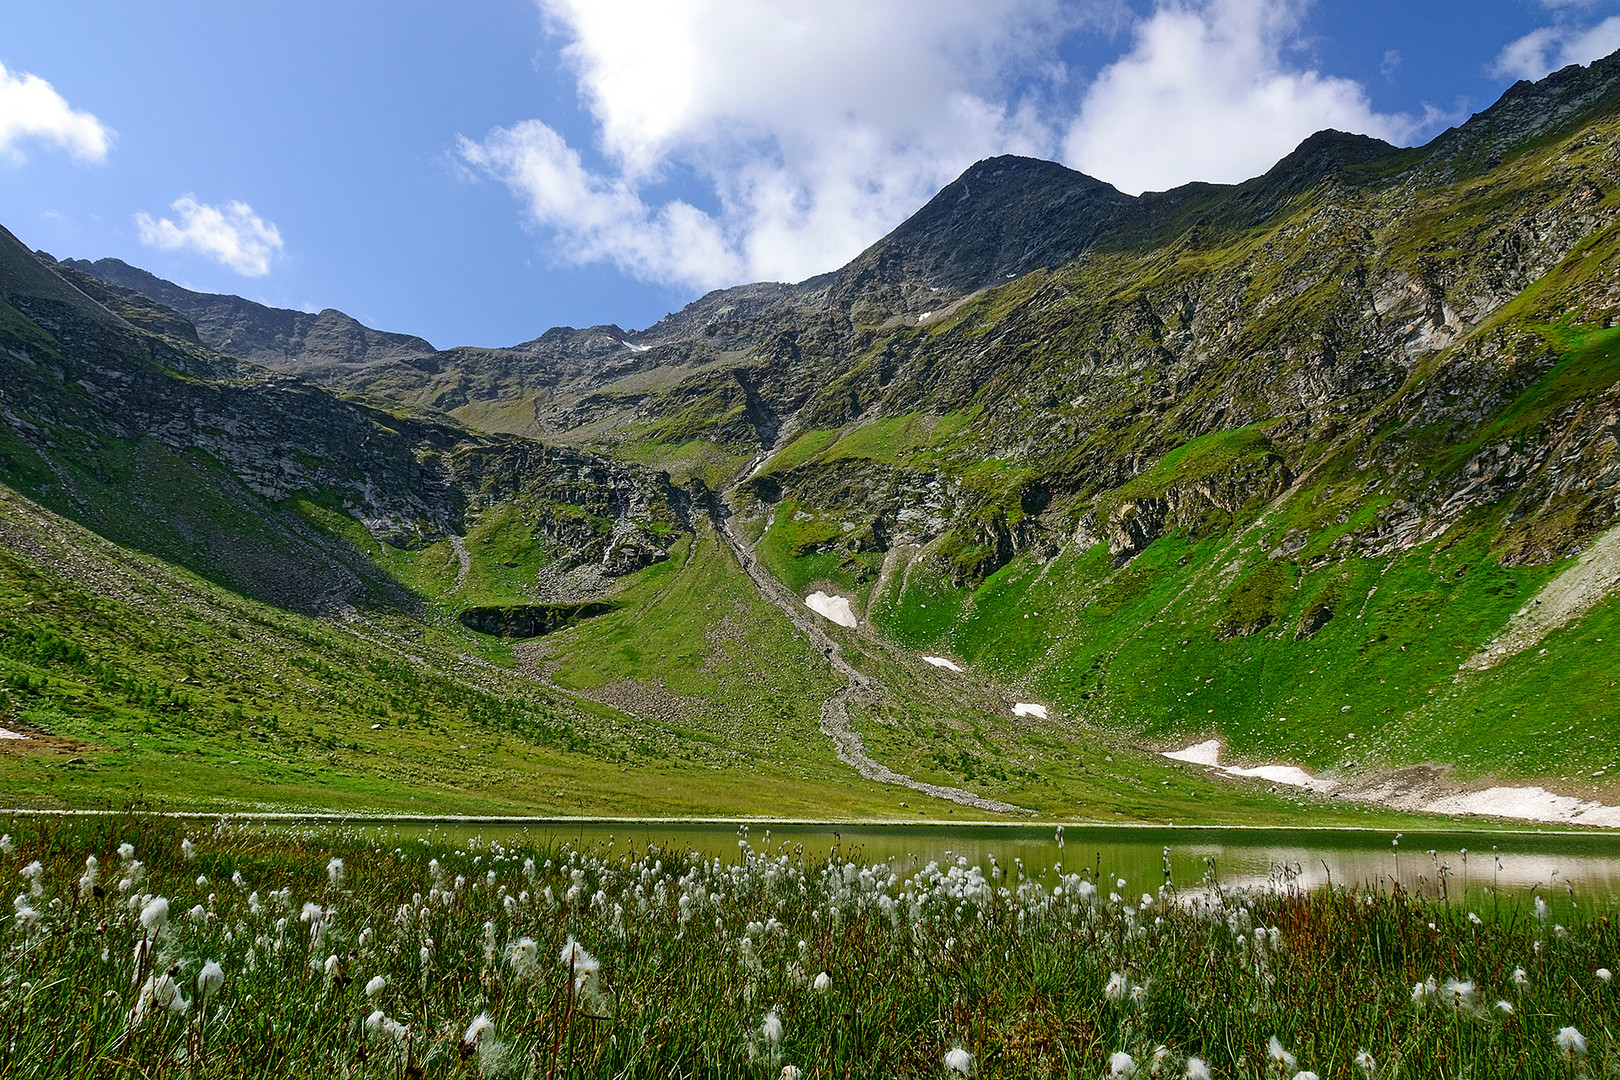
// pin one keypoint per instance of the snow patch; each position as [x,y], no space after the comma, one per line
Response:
[633,347]
[1208,753]
[1204,753]
[1025,708]
[6,734]
[1531,804]
[832,608]
[1277,774]
[1518,803]
[940,661]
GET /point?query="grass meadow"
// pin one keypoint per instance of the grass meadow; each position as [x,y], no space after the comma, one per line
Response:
[139,946]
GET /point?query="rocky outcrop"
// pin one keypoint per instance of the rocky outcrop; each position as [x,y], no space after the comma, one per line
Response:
[528,620]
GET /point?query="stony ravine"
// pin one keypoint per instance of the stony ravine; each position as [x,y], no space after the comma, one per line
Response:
[835,723]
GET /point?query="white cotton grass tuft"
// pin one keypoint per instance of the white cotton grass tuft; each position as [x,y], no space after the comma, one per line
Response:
[8,846]
[1306,1074]
[157,992]
[1121,1066]
[209,980]
[823,984]
[1459,994]
[1366,1064]
[524,957]
[1604,975]
[155,914]
[959,1061]
[1571,1043]
[375,986]
[381,1029]
[770,1028]
[1117,987]
[87,880]
[1197,1069]
[1520,979]
[24,913]
[480,1039]
[1281,1057]
[188,849]
[126,851]
[790,1072]
[334,872]
[481,1026]
[584,966]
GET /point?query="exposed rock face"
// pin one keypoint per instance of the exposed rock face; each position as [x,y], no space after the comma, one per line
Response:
[529,620]
[1348,303]
[272,337]
[220,449]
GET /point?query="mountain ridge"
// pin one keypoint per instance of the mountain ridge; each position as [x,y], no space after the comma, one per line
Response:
[1269,463]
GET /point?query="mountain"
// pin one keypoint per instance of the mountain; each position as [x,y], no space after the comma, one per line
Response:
[275,338]
[1324,465]
[118,418]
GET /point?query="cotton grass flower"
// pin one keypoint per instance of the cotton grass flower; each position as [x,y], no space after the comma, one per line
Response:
[1458,994]
[1520,979]
[126,851]
[158,992]
[188,849]
[8,846]
[1116,988]
[959,1061]
[155,915]
[823,984]
[1571,1043]
[582,964]
[334,873]
[1279,1056]
[1366,1065]
[87,880]
[381,1029]
[1121,1066]
[209,980]
[476,1030]
[770,1028]
[524,957]
[1197,1069]
[375,985]
[24,913]
[1604,974]
[790,1072]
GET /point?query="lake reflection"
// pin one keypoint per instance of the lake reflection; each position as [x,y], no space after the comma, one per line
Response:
[1463,863]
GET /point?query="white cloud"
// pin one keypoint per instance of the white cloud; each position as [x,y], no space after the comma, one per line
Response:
[602,219]
[30,108]
[1206,93]
[812,127]
[232,235]
[1552,47]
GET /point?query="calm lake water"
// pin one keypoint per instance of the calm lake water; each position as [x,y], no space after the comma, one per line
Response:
[1466,864]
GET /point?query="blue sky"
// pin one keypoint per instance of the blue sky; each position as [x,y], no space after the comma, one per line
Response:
[477,172]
